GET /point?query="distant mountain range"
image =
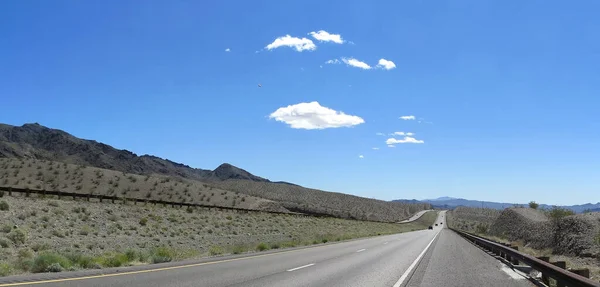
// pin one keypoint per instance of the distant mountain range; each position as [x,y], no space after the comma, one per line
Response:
[451,202]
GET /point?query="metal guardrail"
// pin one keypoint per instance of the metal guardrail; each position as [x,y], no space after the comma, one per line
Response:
[562,276]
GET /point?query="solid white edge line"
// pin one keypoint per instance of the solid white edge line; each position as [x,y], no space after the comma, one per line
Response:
[294,269]
[361,250]
[412,266]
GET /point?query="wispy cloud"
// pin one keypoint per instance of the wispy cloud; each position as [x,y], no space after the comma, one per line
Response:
[310,116]
[375,148]
[380,134]
[391,145]
[356,63]
[325,36]
[406,118]
[334,61]
[227,50]
[402,134]
[300,44]
[392,141]
[386,64]
[361,156]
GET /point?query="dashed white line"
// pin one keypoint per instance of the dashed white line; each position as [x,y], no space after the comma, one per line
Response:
[294,269]
[412,266]
[360,250]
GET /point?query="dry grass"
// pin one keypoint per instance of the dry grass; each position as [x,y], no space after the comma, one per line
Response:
[81,234]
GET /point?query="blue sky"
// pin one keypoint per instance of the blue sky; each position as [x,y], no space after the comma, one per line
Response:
[504,93]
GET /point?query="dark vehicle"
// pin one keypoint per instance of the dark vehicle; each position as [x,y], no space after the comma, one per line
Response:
[436,224]
[430,227]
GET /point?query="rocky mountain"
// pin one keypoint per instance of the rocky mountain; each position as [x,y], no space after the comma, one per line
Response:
[34,141]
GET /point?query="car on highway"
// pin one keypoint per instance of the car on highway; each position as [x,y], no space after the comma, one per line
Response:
[430,227]
[436,224]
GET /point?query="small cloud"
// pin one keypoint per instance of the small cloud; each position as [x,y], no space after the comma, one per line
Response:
[380,134]
[375,148]
[300,44]
[391,145]
[385,64]
[320,66]
[406,118]
[402,134]
[227,50]
[392,141]
[356,63]
[334,61]
[361,156]
[351,43]
[324,36]
[310,116]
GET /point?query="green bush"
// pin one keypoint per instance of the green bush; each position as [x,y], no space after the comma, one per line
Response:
[4,243]
[275,245]
[6,228]
[215,250]
[43,261]
[5,269]
[113,260]
[83,261]
[238,249]
[533,204]
[143,221]
[262,247]
[4,205]
[131,255]
[556,213]
[54,267]
[162,254]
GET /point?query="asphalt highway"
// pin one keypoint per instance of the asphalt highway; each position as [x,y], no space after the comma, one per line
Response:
[435,257]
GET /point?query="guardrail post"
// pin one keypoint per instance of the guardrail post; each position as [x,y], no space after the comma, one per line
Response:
[563,265]
[545,278]
[515,261]
[583,272]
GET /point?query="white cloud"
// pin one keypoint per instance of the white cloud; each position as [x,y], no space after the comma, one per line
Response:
[324,36]
[380,134]
[300,44]
[385,64]
[375,148]
[227,50]
[356,63]
[310,116]
[391,145]
[334,61]
[402,134]
[392,141]
[407,118]
[361,156]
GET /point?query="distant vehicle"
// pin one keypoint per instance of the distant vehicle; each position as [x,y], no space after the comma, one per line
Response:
[430,227]
[436,224]
[441,223]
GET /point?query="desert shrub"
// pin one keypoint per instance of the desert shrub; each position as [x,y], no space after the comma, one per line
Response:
[162,254]
[5,228]
[5,269]
[481,228]
[2,191]
[131,255]
[113,260]
[238,249]
[275,245]
[4,243]
[262,247]
[215,250]
[556,213]
[533,204]
[40,247]
[4,205]
[18,236]
[54,267]
[43,261]
[81,260]
[143,221]
[189,209]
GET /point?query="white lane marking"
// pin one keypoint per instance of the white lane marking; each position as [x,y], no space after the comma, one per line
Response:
[294,269]
[360,250]
[385,243]
[414,264]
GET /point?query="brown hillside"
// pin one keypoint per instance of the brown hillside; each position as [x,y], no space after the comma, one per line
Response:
[33,141]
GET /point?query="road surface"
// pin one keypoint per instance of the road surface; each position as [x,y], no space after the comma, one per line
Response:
[415,216]
[421,258]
